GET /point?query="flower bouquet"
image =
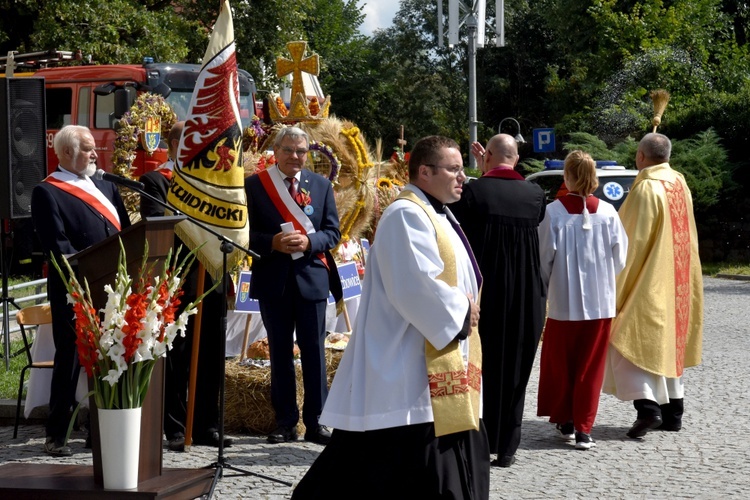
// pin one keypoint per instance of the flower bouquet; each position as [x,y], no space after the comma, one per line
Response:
[119,345]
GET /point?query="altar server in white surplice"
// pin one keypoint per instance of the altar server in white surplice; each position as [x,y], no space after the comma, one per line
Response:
[406,399]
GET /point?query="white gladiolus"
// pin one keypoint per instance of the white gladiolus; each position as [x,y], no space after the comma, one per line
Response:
[103,340]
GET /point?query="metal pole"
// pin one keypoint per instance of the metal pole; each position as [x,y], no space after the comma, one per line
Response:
[471,24]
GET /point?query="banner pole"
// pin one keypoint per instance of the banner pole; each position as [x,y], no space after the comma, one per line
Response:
[194,357]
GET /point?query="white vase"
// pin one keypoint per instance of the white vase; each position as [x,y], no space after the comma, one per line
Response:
[120,435]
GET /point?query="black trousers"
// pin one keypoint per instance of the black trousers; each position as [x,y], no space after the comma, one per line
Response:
[281,318]
[671,413]
[67,368]
[210,370]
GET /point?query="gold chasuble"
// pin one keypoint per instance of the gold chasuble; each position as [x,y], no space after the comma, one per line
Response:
[454,390]
[659,322]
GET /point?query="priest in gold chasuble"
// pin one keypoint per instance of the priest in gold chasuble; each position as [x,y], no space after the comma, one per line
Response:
[658,330]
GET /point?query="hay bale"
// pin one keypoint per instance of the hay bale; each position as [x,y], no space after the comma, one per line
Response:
[248,406]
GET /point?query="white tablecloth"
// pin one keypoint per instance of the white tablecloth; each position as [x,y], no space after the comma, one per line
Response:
[37,392]
[236,323]
[39,380]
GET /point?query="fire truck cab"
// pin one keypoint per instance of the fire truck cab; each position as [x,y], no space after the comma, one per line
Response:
[97,96]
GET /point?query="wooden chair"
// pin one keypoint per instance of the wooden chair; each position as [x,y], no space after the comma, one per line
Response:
[27,317]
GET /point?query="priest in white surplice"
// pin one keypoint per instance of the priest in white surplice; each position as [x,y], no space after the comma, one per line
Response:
[405,404]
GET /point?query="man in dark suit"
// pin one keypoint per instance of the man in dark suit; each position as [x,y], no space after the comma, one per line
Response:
[292,279]
[210,362]
[71,211]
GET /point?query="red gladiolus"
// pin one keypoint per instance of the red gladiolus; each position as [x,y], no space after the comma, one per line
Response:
[133,326]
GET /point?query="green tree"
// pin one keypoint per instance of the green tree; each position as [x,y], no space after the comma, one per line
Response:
[332,32]
[116,31]
[408,81]
[261,31]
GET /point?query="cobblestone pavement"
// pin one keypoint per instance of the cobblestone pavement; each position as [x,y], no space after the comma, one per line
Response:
[708,459]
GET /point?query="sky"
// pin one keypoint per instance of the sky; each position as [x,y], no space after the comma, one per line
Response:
[378,14]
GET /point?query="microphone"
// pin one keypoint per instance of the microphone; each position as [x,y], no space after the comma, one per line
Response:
[122,181]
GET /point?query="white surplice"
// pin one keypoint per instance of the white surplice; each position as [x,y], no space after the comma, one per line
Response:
[580,265]
[381,381]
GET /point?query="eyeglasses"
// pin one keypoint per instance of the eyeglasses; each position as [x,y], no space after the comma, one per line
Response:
[455,170]
[300,152]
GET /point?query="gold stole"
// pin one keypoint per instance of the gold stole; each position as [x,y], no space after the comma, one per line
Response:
[454,391]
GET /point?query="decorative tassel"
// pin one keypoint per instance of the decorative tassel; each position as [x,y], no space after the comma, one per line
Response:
[586,216]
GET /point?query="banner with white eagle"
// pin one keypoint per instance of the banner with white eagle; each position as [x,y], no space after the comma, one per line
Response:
[208,182]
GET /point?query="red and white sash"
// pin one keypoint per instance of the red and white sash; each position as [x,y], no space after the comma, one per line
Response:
[273,183]
[86,191]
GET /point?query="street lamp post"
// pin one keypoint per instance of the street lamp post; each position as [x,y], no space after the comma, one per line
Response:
[471,25]
[519,138]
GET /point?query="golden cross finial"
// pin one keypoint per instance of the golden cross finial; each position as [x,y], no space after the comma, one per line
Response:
[297,65]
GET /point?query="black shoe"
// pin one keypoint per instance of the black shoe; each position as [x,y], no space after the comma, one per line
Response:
[57,448]
[87,444]
[642,425]
[212,439]
[283,435]
[505,461]
[584,441]
[176,443]
[321,435]
[567,431]
[670,426]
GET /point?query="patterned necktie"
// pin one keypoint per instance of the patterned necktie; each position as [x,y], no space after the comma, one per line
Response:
[292,187]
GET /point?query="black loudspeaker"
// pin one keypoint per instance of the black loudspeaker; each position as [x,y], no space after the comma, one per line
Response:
[23,145]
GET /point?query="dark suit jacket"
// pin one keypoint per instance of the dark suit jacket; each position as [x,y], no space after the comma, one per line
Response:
[157,185]
[271,270]
[66,225]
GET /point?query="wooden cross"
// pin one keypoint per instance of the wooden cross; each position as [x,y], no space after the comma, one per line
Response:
[297,65]
[401,142]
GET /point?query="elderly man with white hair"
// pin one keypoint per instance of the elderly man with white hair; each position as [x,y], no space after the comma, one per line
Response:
[71,211]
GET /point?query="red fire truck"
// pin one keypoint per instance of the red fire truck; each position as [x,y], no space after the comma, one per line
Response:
[98,95]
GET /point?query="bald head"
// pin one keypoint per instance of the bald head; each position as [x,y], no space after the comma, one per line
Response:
[173,139]
[653,149]
[502,149]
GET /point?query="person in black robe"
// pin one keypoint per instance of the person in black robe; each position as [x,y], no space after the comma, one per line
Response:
[500,213]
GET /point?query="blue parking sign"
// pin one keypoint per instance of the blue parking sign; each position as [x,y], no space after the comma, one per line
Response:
[544,140]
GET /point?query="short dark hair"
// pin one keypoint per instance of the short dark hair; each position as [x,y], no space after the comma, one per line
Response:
[427,151]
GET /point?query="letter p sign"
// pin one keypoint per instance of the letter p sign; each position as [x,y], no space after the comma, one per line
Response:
[544,140]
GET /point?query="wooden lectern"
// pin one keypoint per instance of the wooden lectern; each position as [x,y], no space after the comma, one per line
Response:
[98,266]
[20,481]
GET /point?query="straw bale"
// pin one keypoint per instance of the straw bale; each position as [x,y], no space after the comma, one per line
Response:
[248,396]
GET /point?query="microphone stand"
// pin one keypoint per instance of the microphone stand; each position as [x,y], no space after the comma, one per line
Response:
[226,246]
